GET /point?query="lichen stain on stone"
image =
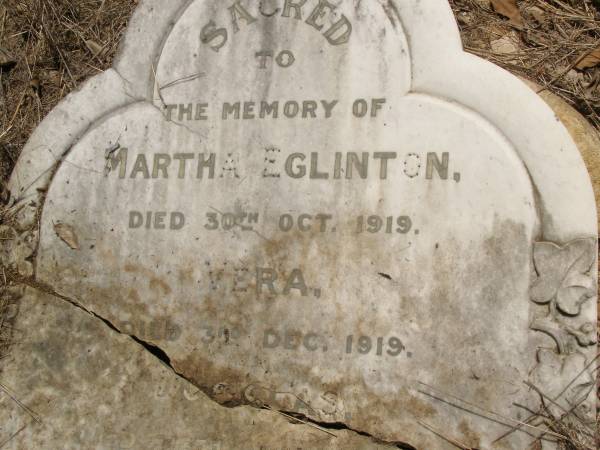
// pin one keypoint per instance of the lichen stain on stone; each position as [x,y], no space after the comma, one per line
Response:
[420,409]
[469,437]
[224,385]
[53,350]
[157,283]
[505,231]
[185,275]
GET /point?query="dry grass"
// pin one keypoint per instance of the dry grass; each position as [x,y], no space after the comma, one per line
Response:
[49,47]
[6,332]
[8,293]
[579,437]
[56,45]
[554,36]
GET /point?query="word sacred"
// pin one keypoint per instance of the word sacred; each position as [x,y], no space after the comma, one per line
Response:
[350,165]
[337,34]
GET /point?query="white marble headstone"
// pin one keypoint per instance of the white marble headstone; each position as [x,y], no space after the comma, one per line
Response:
[328,209]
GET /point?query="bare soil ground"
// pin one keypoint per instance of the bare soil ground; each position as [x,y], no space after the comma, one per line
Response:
[49,47]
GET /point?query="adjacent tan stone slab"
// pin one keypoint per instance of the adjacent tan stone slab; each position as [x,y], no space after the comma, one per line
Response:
[87,386]
[330,209]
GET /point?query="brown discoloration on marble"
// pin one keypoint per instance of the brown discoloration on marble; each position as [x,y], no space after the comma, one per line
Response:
[94,388]
[469,437]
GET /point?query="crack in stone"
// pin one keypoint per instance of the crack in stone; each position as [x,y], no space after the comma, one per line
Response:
[165,360]
[54,167]
[127,90]
[150,101]
[342,426]
[176,123]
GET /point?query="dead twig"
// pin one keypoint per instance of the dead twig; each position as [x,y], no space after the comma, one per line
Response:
[438,433]
[12,396]
[495,416]
[14,435]
[301,421]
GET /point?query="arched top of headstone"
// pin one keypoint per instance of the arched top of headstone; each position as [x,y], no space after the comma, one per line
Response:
[423,54]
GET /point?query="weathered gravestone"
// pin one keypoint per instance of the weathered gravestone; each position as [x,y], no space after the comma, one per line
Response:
[323,208]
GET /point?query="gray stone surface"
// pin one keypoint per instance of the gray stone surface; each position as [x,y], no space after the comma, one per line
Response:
[86,386]
[406,247]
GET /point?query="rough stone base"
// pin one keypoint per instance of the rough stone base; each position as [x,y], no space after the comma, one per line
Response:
[80,384]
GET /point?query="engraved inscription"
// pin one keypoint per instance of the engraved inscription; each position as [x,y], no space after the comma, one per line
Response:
[314,14]
[315,166]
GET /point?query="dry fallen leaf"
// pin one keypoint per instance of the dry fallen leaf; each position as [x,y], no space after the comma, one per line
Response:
[538,14]
[67,234]
[35,85]
[53,77]
[505,45]
[575,77]
[588,60]
[510,10]
[94,47]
